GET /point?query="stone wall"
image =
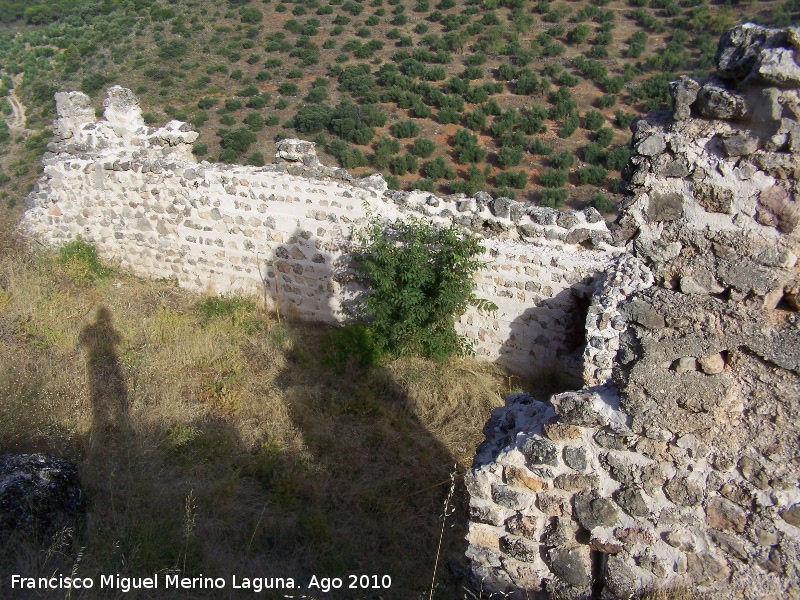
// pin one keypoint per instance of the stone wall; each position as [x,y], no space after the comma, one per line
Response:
[679,463]
[137,193]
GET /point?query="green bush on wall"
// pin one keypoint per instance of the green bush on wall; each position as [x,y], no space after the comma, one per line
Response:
[419,278]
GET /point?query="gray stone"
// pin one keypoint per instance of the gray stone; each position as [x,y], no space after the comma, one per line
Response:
[739,48]
[523,526]
[778,66]
[562,531]
[568,219]
[573,566]
[724,514]
[543,215]
[572,482]
[705,568]
[792,515]
[643,313]
[651,145]
[592,510]
[683,491]
[578,235]
[633,502]
[575,458]
[592,215]
[730,544]
[501,207]
[684,93]
[609,440]
[685,364]
[713,364]
[676,168]
[621,580]
[739,144]
[681,539]
[718,102]
[713,198]
[40,495]
[665,207]
[520,548]
[509,497]
[539,451]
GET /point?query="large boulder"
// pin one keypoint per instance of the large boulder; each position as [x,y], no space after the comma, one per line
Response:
[40,496]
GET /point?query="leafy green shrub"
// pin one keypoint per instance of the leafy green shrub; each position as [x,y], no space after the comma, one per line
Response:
[509,156]
[438,169]
[623,119]
[233,104]
[569,127]
[250,14]
[604,136]
[593,174]
[423,147]
[553,198]
[405,129]
[510,179]
[448,115]
[539,147]
[81,262]
[466,147]
[553,178]
[593,120]
[384,150]
[420,278]
[200,149]
[601,202]
[237,140]
[254,121]
[206,102]
[617,158]
[407,163]
[579,34]
[562,160]
[288,88]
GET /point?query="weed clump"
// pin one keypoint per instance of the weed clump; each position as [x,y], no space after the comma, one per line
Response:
[81,262]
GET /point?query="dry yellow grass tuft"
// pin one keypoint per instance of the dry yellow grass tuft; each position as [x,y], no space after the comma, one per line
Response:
[211,439]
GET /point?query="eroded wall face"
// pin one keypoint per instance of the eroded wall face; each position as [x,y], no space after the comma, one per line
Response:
[677,464]
[287,229]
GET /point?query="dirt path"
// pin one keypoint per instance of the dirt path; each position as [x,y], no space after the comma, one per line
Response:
[16,122]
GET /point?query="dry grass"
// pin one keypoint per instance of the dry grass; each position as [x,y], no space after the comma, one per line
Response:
[227,447]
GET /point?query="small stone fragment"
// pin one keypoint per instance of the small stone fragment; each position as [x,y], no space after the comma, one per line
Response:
[592,510]
[573,565]
[683,491]
[712,364]
[575,458]
[792,515]
[685,364]
[724,514]
[521,477]
[539,451]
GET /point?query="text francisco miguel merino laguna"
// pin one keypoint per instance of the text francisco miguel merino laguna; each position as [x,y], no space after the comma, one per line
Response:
[157,581]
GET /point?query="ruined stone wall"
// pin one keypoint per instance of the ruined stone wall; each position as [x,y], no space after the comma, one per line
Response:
[137,193]
[679,463]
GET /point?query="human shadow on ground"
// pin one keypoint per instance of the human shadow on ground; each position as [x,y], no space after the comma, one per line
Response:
[108,393]
[369,496]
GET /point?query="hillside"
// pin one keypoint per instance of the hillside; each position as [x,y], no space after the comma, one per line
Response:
[522,99]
